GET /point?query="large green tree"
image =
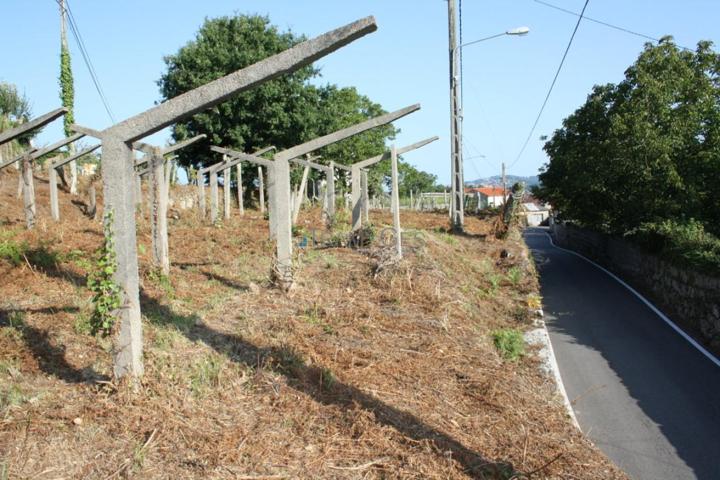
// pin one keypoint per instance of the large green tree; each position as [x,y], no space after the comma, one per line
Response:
[644,150]
[283,112]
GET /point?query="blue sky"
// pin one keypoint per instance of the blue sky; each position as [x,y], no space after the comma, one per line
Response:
[404,62]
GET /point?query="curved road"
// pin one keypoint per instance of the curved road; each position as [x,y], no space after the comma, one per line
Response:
[641,392]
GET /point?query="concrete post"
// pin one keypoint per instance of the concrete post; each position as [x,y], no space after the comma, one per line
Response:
[301,193]
[356,196]
[214,198]
[226,193]
[241,200]
[92,202]
[396,202]
[364,199]
[118,173]
[52,178]
[201,193]
[261,189]
[412,205]
[138,193]
[158,212]
[330,192]
[28,192]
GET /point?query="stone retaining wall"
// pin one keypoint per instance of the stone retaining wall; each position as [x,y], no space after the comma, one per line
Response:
[690,298]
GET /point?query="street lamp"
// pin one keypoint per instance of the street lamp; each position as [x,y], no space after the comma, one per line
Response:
[457,214]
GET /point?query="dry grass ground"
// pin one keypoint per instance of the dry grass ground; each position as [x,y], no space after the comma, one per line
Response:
[355,374]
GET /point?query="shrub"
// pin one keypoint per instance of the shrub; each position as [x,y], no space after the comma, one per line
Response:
[510,343]
[682,242]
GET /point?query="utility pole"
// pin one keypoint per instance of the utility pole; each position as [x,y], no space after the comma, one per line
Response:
[457,214]
[67,92]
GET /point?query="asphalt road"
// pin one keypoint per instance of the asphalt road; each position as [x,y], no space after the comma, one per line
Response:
[641,392]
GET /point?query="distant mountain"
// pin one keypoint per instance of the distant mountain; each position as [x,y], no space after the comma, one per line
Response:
[511,180]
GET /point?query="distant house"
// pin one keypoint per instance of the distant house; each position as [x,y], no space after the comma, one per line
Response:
[535,214]
[489,196]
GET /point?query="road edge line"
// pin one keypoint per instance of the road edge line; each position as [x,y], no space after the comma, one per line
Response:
[551,362]
[647,302]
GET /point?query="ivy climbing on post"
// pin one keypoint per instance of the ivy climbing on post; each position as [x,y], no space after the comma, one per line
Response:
[106,293]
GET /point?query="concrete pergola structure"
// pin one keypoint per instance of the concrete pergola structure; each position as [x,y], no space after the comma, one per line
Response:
[52,176]
[280,217]
[329,171]
[225,165]
[119,172]
[28,187]
[358,179]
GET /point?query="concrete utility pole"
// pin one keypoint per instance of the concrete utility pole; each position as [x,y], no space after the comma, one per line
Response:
[457,213]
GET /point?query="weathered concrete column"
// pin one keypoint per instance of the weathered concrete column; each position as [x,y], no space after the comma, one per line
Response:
[214,197]
[52,180]
[412,207]
[241,200]
[201,193]
[158,213]
[138,193]
[92,202]
[261,189]
[226,193]
[364,198]
[396,202]
[330,192]
[118,173]
[28,191]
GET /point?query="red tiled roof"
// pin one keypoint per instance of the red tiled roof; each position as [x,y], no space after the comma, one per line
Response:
[489,191]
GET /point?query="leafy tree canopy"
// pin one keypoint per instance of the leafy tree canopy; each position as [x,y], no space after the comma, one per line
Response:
[644,150]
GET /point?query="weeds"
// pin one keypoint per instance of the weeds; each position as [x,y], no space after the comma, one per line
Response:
[205,374]
[510,343]
[515,276]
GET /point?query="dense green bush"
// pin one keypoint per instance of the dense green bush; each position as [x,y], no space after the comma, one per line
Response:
[685,243]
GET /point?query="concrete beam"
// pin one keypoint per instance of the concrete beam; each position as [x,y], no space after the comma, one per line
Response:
[62,161]
[38,122]
[208,95]
[90,132]
[235,157]
[36,153]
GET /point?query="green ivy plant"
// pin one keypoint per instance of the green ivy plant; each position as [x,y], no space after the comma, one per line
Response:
[106,293]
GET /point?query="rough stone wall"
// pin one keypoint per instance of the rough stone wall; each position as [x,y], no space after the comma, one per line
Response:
[690,298]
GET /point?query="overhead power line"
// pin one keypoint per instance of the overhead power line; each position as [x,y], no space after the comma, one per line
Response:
[606,24]
[75,30]
[552,85]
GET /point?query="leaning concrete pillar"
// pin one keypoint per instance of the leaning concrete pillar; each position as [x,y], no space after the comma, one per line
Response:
[396,202]
[52,178]
[261,189]
[301,193]
[241,202]
[214,197]
[28,187]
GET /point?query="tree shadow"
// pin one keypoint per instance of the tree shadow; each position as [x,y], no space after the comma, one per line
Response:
[319,384]
[50,358]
